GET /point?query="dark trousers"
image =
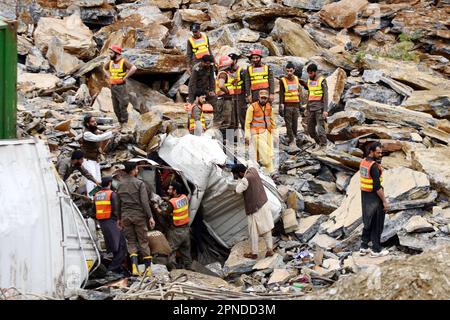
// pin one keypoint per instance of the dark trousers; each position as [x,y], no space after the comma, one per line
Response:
[180,239]
[115,243]
[373,221]
[135,230]
[241,109]
[291,114]
[120,101]
[316,126]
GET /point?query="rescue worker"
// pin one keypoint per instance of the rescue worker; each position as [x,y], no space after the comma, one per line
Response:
[197,47]
[106,212]
[118,70]
[90,146]
[196,119]
[224,92]
[134,214]
[66,167]
[373,201]
[259,126]
[238,75]
[259,77]
[178,235]
[290,101]
[317,107]
[202,79]
[257,208]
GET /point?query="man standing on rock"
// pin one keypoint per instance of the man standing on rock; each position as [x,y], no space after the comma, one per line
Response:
[238,75]
[290,101]
[259,77]
[202,79]
[90,148]
[224,92]
[259,126]
[374,203]
[317,107]
[134,214]
[118,70]
[197,47]
[257,208]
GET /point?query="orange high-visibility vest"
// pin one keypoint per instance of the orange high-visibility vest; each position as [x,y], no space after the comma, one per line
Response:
[180,210]
[192,121]
[259,77]
[365,179]
[261,118]
[117,72]
[291,92]
[237,88]
[315,89]
[103,207]
[200,46]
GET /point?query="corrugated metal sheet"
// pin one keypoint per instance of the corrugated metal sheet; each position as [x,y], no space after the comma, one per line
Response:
[223,210]
[44,241]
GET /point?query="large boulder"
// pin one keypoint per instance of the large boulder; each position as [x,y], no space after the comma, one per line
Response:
[315,5]
[336,84]
[29,82]
[75,37]
[147,127]
[435,102]
[291,34]
[36,62]
[103,101]
[192,15]
[342,14]
[434,162]
[149,61]
[63,62]
[143,11]
[166,4]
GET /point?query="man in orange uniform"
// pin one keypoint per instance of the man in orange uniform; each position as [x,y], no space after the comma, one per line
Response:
[179,236]
[118,70]
[106,212]
[373,201]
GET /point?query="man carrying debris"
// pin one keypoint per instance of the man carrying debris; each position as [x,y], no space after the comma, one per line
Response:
[238,75]
[290,101]
[202,79]
[317,107]
[106,212]
[259,77]
[134,214]
[374,203]
[257,208]
[224,94]
[118,70]
[178,235]
[66,167]
[259,125]
[196,119]
[90,146]
[197,47]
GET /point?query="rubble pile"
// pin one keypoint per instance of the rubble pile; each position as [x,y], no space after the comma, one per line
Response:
[387,70]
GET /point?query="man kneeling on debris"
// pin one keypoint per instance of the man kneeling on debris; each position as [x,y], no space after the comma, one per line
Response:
[106,212]
[134,214]
[178,234]
[374,204]
[260,221]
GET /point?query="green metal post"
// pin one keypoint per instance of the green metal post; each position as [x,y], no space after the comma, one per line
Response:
[8,80]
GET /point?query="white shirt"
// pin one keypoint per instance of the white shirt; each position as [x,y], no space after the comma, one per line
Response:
[242,185]
[89,136]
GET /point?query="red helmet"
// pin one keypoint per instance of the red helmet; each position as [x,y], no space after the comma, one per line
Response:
[256,52]
[225,61]
[116,49]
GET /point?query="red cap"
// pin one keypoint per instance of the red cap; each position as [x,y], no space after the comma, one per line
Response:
[225,61]
[256,52]
[116,48]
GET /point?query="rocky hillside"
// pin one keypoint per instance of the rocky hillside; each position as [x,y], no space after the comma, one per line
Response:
[387,69]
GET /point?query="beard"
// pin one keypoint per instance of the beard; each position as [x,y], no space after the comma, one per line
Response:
[93,129]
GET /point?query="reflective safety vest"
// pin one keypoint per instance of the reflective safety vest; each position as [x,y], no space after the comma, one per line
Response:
[236,88]
[103,208]
[259,77]
[117,72]
[180,210]
[192,121]
[291,92]
[200,46]
[315,89]
[261,118]
[228,84]
[365,179]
